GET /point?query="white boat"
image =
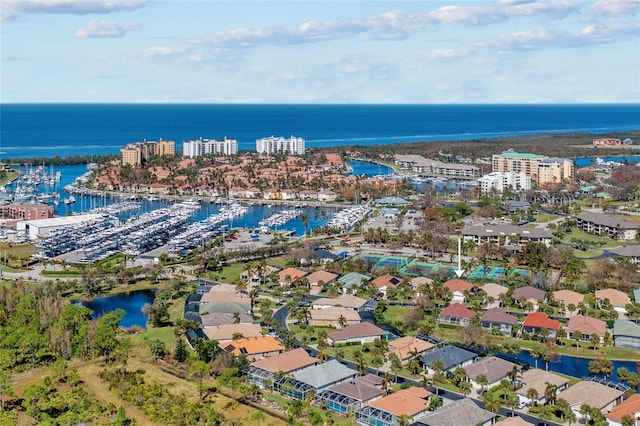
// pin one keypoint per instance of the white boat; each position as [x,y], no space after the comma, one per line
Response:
[70,200]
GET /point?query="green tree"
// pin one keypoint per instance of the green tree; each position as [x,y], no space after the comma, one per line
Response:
[180,352]
[199,370]
[6,388]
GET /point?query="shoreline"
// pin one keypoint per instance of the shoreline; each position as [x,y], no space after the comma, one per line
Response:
[520,138]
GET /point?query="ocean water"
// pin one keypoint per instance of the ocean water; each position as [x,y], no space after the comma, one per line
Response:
[29,130]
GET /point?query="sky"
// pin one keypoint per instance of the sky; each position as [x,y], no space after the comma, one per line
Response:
[311,52]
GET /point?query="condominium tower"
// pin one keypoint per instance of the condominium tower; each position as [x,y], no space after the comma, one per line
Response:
[541,169]
[135,154]
[198,147]
[280,145]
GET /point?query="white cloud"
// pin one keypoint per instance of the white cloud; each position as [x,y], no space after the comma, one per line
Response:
[392,25]
[13,10]
[615,7]
[106,29]
[548,39]
[445,53]
[161,51]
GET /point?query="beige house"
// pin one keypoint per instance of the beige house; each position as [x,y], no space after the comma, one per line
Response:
[335,316]
[226,332]
[408,346]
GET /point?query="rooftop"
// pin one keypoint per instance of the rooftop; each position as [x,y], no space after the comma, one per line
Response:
[463,412]
[286,362]
[457,310]
[409,401]
[449,355]
[592,393]
[359,388]
[254,345]
[405,346]
[629,406]
[586,325]
[540,320]
[498,315]
[363,329]
[606,220]
[324,374]
[494,368]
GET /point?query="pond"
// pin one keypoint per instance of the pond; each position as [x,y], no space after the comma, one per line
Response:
[131,302]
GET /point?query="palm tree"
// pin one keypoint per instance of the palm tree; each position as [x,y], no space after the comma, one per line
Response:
[492,402]
[482,380]
[550,392]
[532,394]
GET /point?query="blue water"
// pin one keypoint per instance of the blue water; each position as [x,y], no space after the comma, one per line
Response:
[574,366]
[583,162]
[85,129]
[131,303]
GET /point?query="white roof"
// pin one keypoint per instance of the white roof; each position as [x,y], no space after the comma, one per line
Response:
[62,220]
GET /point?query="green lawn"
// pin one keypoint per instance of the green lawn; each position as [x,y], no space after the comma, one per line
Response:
[589,238]
[546,217]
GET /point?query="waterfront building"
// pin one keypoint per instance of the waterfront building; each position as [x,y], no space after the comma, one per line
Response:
[137,153]
[597,395]
[35,229]
[199,147]
[493,368]
[498,318]
[451,357]
[537,379]
[500,181]
[626,334]
[629,407]
[280,145]
[541,169]
[27,211]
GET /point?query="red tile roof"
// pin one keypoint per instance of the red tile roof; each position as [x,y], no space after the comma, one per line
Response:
[458,285]
[458,310]
[540,320]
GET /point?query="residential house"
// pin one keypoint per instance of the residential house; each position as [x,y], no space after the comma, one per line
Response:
[530,294]
[258,275]
[289,194]
[216,319]
[334,316]
[513,421]
[264,371]
[450,356]
[363,332]
[617,298]
[353,280]
[385,283]
[629,407]
[308,194]
[408,346]
[537,379]
[318,279]
[344,300]
[417,282]
[535,322]
[493,292]
[458,288]
[586,326]
[463,412]
[225,302]
[316,378]
[456,314]
[568,297]
[409,403]
[626,334]
[494,369]
[347,397]
[592,393]
[607,225]
[289,276]
[498,318]
[226,332]
[255,347]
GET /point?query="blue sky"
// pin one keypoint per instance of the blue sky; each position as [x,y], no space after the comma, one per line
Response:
[509,51]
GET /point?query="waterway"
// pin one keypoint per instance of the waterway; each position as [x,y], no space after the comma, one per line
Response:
[575,366]
[131,302]
[586,161]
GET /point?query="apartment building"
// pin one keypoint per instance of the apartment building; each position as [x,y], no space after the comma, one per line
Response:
[604,224]
[500,181]
[280,145]
[137,153]
[541,169]
[199,147]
